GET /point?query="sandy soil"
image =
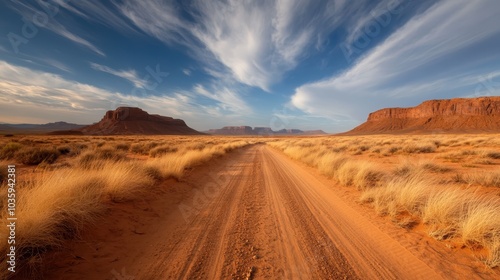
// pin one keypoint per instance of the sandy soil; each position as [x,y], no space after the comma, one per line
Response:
[253,214]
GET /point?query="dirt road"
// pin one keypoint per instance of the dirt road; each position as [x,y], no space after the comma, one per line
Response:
[256,215]
[262,216]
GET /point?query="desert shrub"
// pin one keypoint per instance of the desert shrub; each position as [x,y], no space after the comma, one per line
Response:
[434,167]
[162,150]
[3,172]
[143,148]
[153,172]
[481,224]
[34,156]
[485,179]
[421,148]
[126,180]
[400,194]
[444,211]
[9,150]
[329,163]
[493,155]
[100,144]
[195,146]
[393,149]
[339,149]
[122,146]
[64,150]
[367,176]
[77,148]
[88,158]
[364,148]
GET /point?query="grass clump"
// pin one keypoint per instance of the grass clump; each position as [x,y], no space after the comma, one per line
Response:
[35,156]
[162,150]
[9,150]
[88,158]
[64,150]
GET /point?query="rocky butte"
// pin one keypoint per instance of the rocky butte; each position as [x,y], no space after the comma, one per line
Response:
[132,120]
[458,115]
[264,131]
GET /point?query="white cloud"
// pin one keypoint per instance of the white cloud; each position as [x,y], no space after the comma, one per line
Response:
[56,64]
[186,72]
[228,100]
[97,11]
[28,94]
[130,75]
[404,66]
[254,42]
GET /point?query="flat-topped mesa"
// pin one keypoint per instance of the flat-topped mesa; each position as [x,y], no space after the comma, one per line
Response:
[260,130]
[126,113]
[457,115]
[132,120]
[482,106]
[137,114]
[233,130]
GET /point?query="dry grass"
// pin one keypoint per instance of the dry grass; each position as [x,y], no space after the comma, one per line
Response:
[35,156]
[415,188]
[58,203]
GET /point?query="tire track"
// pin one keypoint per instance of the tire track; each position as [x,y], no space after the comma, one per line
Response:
[274,220]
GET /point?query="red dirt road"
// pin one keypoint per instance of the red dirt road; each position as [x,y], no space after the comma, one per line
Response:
[254,215]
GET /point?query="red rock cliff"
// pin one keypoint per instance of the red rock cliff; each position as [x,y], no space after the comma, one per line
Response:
[131,120]
[480,114]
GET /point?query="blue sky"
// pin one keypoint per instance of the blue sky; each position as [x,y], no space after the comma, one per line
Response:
[282,64]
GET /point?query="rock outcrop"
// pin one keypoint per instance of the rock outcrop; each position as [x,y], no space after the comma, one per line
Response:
[131,121]
[457,115]
[265,131]
[232,130]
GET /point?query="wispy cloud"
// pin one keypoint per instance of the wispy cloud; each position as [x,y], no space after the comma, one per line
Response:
[228,100]
[421,59]
[98,12]
[254,42]
[36,93]
[186,72]
[130,75]
[30,11]
[56,64]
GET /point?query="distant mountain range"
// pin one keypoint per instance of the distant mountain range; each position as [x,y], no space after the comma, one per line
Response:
[38,128]
[248,130]
[135,121]
[122,121]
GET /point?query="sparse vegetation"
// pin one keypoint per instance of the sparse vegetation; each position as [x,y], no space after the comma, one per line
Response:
[82,186]
[413,181]
[35,156]
[9,150]
[410,190]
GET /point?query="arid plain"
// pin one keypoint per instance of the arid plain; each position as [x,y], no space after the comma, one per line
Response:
[346,207]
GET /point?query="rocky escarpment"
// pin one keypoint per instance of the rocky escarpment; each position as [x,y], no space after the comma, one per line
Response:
[458,115]
[248,130]
[131,120]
